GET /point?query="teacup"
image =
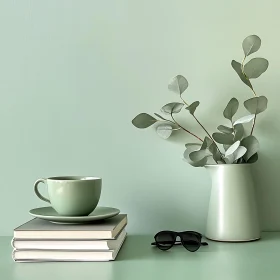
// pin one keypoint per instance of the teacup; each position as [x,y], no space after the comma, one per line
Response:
[71,195]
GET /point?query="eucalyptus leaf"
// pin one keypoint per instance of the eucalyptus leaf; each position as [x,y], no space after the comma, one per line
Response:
[143,120]
[217,157]
[229,159]
[214,151]
[200,163]
[255,67]
[256,104]
[225,129]
[178,84]
[223,138]
[231,108]
[193,107]
[253,158]
[226,147]
[212,148]
[206,143]
[245,119]
[172,108]
[239,153]
[251,44]
[159,116]
[164,131]
[193,145]
[199,155]
[238,132]
[210,161]
[237,67]
[232,148]
[187,152]
[251,144]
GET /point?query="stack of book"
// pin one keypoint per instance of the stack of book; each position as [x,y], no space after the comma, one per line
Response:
[39,240]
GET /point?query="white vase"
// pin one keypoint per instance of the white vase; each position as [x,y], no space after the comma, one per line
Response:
[232,214]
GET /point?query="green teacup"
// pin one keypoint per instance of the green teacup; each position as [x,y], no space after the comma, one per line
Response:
[71,195]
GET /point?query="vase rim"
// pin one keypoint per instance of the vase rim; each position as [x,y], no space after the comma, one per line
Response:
[227,164]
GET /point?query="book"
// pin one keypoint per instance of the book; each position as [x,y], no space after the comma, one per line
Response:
[60,244]
[66,255]
[42,229]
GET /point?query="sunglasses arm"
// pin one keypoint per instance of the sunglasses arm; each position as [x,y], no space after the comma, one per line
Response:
[176,243]
[179,242]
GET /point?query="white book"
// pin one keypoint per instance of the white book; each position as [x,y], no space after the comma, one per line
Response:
[95,244]
[66,255]
[41,229]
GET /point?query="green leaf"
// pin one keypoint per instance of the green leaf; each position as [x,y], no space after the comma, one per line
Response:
[143,120]
[255,67]
[251,144]
[164,131]
[193,107]
[226,147]
[239,153]
[189,150]
[159,116]
[229,159]
[223,138]
[178,84]
[232,148]
[251,44]
[239,132]
[231,109]
[212,148]
[190,145]
[237,67]
[197,156]
[172,108]
[245,119]
[225,129]
[206,143]
[216,155]
[253,158]
[256,104]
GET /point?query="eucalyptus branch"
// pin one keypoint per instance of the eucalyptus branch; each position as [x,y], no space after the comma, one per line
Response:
[208,134]
[184,100]
[242,64]
[203,128]
[242,69]
[254,92]
[185,129]
[200,123]
[232,127]
[254,122]
[165,120]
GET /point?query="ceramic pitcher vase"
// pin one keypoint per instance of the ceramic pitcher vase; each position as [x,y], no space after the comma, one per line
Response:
[233,213]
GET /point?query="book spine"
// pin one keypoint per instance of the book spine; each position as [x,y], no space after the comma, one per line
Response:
[60,245]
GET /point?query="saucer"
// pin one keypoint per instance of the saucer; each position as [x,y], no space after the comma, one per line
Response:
[49,214]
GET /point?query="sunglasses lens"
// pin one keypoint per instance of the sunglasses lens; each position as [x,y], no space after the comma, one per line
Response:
[165,240]
[191,241]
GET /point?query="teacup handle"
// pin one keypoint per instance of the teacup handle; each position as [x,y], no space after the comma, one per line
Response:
[37,191]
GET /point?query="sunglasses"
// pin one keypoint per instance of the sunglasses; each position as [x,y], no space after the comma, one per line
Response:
[191,240]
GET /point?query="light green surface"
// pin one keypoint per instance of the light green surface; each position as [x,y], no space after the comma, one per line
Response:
[75,73]
[137,260]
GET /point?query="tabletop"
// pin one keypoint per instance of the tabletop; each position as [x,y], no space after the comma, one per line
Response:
[138,260]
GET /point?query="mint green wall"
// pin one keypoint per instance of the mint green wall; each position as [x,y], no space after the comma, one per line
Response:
[73,74]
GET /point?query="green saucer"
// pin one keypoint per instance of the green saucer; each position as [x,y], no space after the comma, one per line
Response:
[49,214]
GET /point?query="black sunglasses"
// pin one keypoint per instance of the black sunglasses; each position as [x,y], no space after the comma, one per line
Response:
[191,240]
